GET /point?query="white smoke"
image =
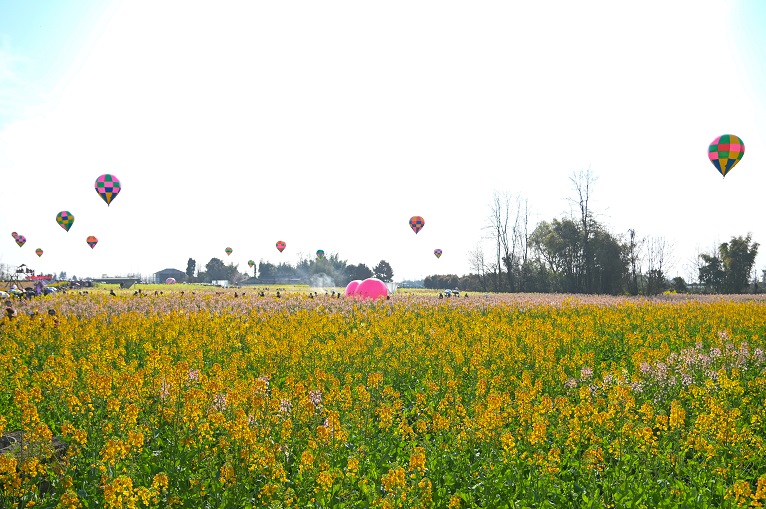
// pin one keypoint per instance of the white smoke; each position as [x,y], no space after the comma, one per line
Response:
[322,280]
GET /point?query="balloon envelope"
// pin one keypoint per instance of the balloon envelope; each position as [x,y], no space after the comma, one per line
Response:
[108,187]
[320,253]
[170,281]
[228,251]
[372,288]
[281,246]
[438,253]
[39,252]
[65,219]
[352,286]
[14,234]
[417,223]
[21,240]
[92,241]
[725,152]
[250,263]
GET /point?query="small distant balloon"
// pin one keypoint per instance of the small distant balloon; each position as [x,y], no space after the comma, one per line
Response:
[21,240]
[92,241]
[352,286]
[438,253]
[250,263]
[39,252]
[170,281]
[14,234]
[281,245]
[108,187]
[228,251]
[372,288]
[725,152]
[320,253]
[65,219]
[417,223]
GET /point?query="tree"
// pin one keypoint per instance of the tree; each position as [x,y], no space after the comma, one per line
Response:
[679,285]
[558,244]
[657,253]
[508,223]
[216,270]
[582,182]
[360,272]
[266,270]
[191,266]
[728,271]
[633,255]
[383,271]
[478,266]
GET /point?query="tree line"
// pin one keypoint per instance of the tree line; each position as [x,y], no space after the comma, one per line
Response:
[330,270]
[578,254]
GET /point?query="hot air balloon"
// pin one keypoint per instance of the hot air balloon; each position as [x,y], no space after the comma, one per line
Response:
[281,245]
[371,288]
[92,241]
[65,219]
[170,281]
[14,234]
[21,240]
[438,253]
[417,223]
[351,287]
[108,187]
[228,251]
[39,252]
[320,253]
[725,152]
[250,263]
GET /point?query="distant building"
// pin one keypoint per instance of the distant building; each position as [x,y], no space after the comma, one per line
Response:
[163,275]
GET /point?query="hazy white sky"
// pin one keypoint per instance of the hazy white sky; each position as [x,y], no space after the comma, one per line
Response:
[328,124]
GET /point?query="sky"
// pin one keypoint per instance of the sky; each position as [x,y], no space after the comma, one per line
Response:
[329,124]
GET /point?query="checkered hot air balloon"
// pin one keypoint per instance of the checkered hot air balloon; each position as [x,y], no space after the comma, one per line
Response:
[281,245]
[438,253]
[21,240]
[92,241]
[417,223]
[725,152]
[108,187]
[65,219]
[228,251]
[39,252]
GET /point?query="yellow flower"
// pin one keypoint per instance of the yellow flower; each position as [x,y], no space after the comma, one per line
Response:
[418,460]
[69,500]
[324,481]
[677,415]
[352,468]
[394,479]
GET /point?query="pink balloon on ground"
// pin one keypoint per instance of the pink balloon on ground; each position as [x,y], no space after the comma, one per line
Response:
[372,288]
[352,286]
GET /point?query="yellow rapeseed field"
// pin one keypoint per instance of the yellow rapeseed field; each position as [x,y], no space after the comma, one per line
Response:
[216,400]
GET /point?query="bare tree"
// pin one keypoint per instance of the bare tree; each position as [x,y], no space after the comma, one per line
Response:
[634,257]
[508,226]
[657,259]
[478,265]
[498,227]
[583,181]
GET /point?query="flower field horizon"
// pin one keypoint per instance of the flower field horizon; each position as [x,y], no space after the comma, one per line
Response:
[223,399]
